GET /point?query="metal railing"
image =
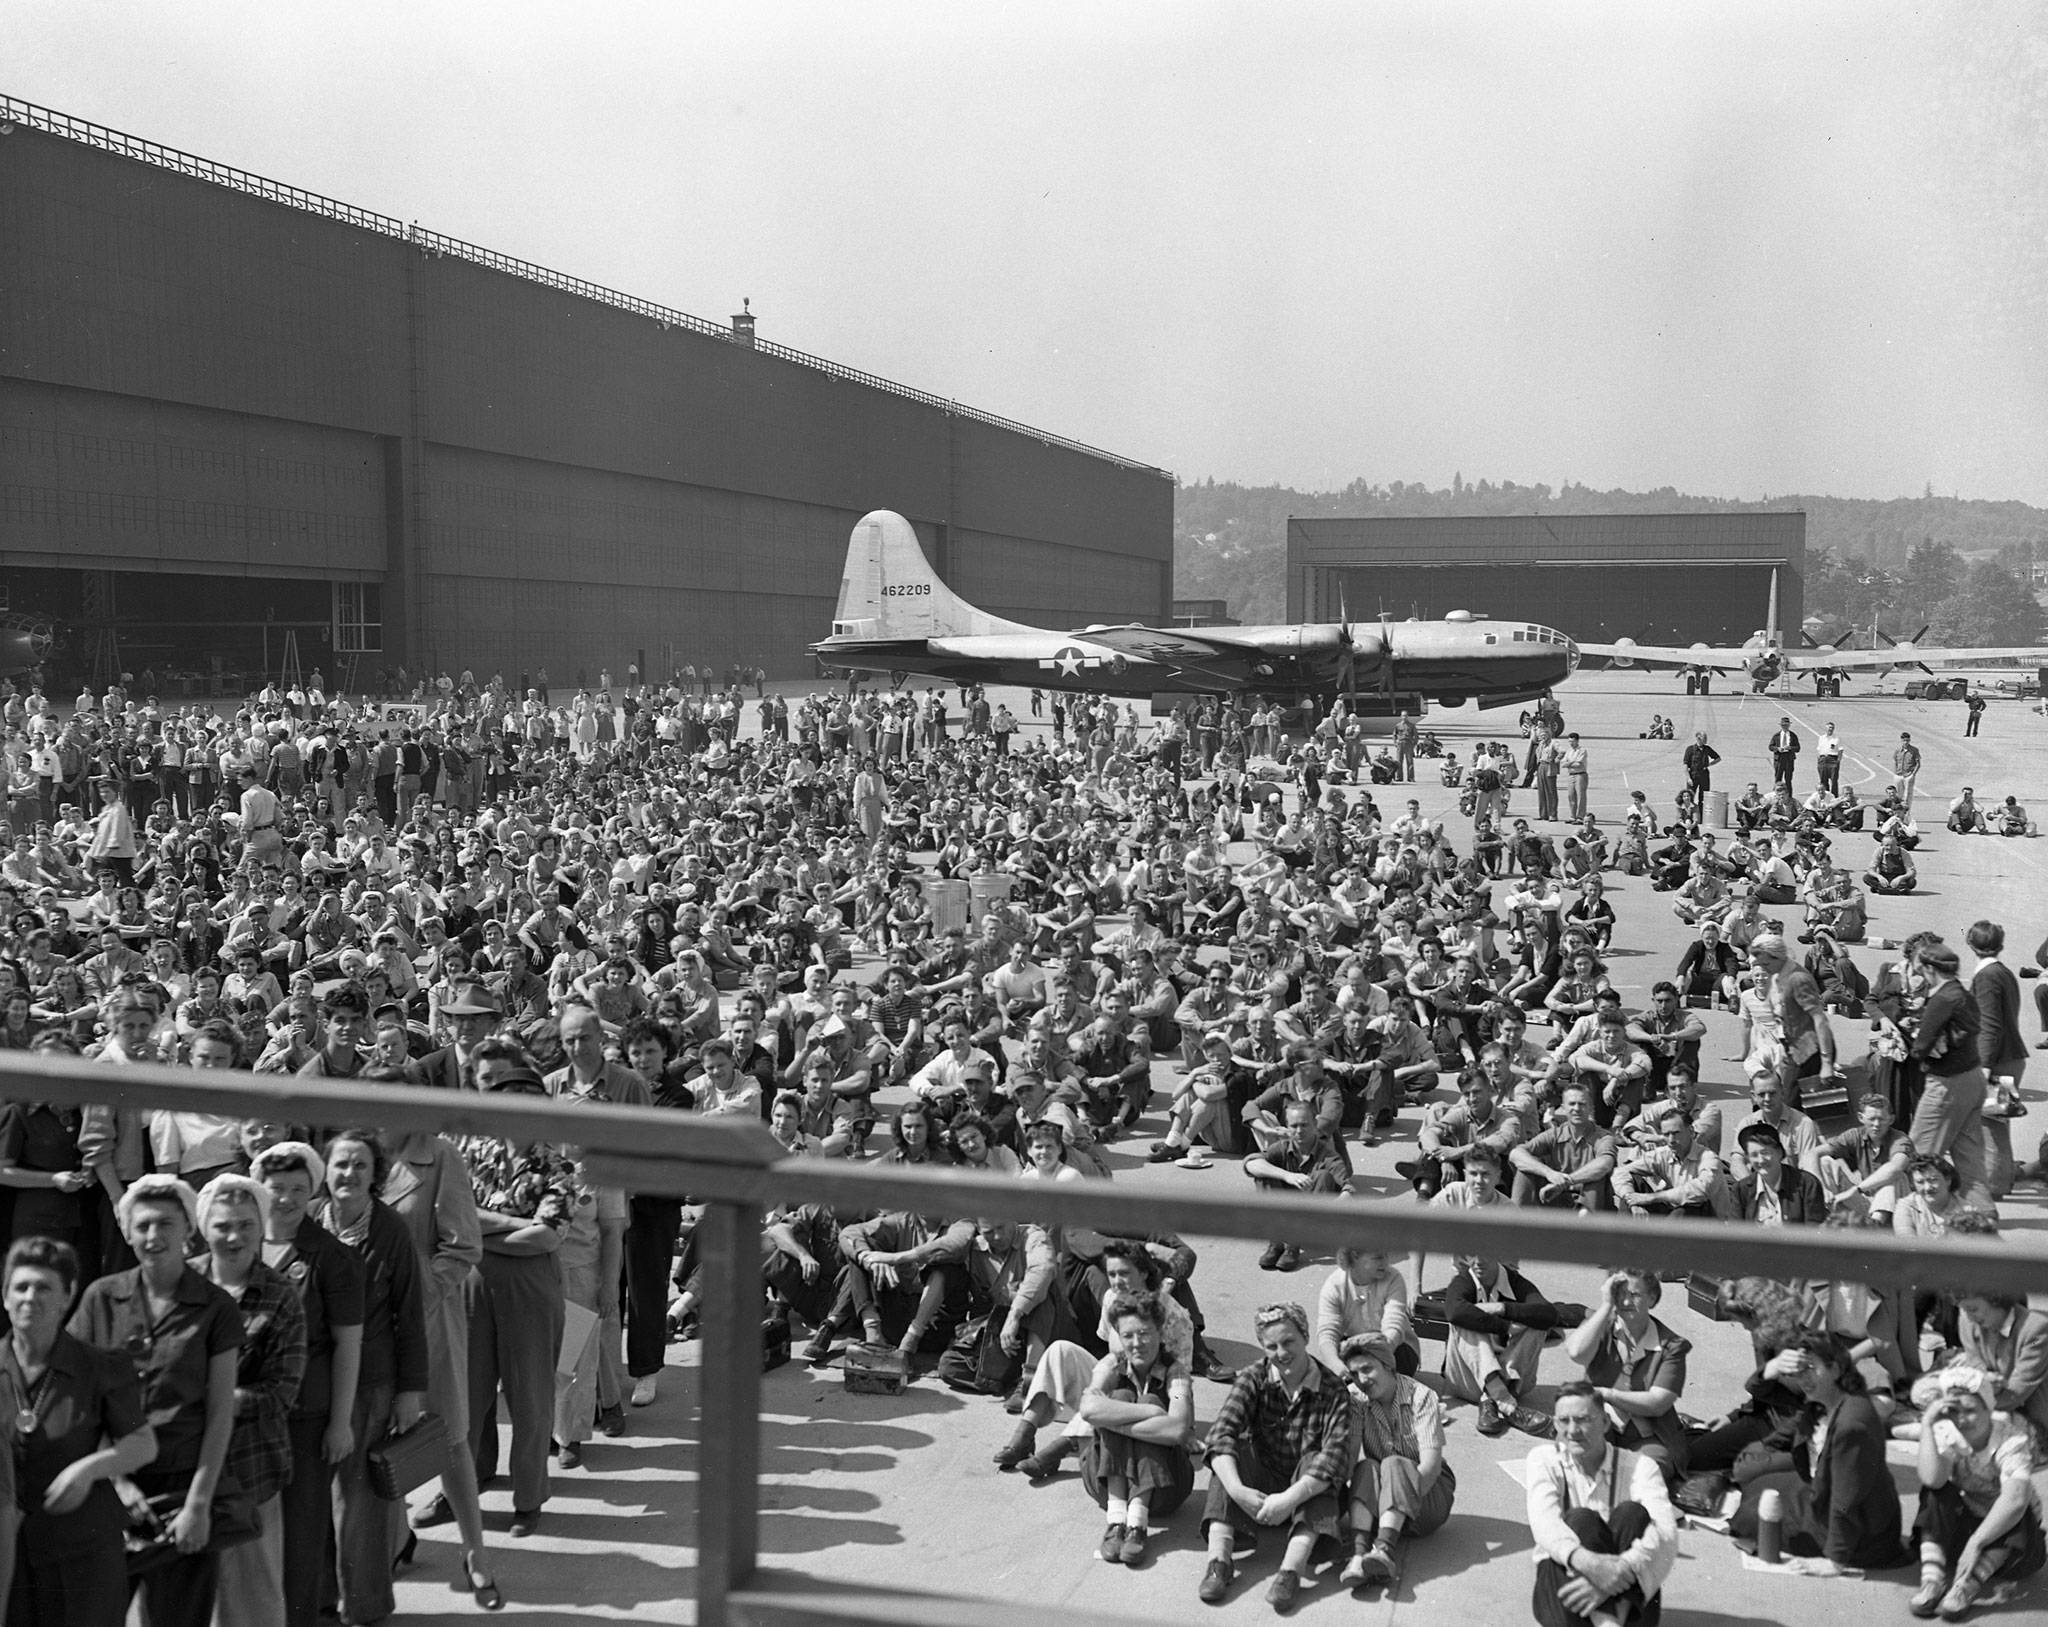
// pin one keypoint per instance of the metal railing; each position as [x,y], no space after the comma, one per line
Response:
[736,1169]
[13,110]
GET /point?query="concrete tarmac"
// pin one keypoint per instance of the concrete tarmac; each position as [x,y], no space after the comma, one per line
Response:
[899,1493]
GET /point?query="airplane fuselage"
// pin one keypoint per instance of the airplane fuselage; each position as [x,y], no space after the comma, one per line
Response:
[1497,663]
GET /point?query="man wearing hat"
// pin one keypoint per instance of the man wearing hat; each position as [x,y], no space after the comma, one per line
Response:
[258,820]
[1775,1192]
[473,1015]
[1949,1121]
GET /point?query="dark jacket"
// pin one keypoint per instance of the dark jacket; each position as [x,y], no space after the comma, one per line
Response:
[1855,1502]
[2000,1043]
[1799,1196]
[1522,1305]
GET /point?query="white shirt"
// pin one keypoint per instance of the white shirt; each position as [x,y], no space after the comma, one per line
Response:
[1557,1482]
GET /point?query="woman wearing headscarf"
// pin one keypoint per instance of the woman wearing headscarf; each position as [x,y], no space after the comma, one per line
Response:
[1979,1520]
[1400,1485]
[328,1279]
[234,1213]
[185,1336]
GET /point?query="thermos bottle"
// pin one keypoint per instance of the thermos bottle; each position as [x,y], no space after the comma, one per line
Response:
[1770,1527]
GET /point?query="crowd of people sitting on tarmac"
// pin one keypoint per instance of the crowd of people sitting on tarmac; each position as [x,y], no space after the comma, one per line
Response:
[660,895]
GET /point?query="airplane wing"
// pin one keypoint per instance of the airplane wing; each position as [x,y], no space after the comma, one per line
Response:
[1906,655]
[1180,651]
[1719,659]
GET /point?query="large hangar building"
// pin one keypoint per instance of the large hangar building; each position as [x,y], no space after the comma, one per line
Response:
[1655,578]
[231,410]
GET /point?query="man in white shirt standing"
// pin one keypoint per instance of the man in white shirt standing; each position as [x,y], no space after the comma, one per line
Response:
[265,843]
[1605,1533]
[1827,757]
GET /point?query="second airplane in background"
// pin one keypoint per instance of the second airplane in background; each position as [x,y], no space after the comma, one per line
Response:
[1765,658]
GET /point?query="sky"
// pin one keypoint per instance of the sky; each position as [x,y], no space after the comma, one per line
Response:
[1736,248]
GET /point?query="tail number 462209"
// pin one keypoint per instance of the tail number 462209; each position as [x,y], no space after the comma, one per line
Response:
[907,590]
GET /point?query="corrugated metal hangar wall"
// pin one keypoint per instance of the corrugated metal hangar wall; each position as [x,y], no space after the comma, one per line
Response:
[198,379]
[1663,578]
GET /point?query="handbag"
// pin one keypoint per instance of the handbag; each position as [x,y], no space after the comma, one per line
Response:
[976,1363]
[147,1540]
[400,1463]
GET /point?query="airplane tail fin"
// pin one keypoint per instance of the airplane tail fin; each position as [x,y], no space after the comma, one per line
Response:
[890,591]
[1771,626]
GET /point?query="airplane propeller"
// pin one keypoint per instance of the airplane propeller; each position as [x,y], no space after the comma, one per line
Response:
[1906,644]
[1347,649]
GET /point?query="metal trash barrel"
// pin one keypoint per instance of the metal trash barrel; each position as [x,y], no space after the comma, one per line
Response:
[1714,813]
[990,891]
[949,903]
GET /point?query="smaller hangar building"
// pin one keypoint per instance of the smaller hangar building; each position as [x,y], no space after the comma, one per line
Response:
[1655,578]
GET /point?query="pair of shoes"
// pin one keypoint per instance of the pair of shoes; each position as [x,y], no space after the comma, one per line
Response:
[1021,1445]
[1291,1259]
[1962,1594]
[1409,1169]
[525,1521]
[611,1422]
[1492,1421]
[1933,1586]
[1382,1565]
[1368,1138]
[644,1388]
[477,1580]
[1112,1548]
[1283,1590]
[1216,1581]
[1163,1152]
[571,1456]
[1270,1260]
[1133,1550]
[1531,1422]
[435,1511]
[1013,1403]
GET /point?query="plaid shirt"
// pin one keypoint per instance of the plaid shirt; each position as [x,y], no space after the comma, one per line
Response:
[1308,1433]
[267,1372]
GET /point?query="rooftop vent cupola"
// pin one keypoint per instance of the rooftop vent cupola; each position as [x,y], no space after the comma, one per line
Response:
[743,325]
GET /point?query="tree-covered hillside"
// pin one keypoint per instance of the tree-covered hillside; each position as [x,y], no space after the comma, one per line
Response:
[1960,564]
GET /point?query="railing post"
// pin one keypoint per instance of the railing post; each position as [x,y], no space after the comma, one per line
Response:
[728,1406]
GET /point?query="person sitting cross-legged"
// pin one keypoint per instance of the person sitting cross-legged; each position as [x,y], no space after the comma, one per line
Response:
[1671,1172]
[1400,1485]
[1570,1164]
[1606,1534]
[1979,1520]
[1278,1451]
[1497,1322]
[1061,1378]
[1305,1160]
[1140,1405]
